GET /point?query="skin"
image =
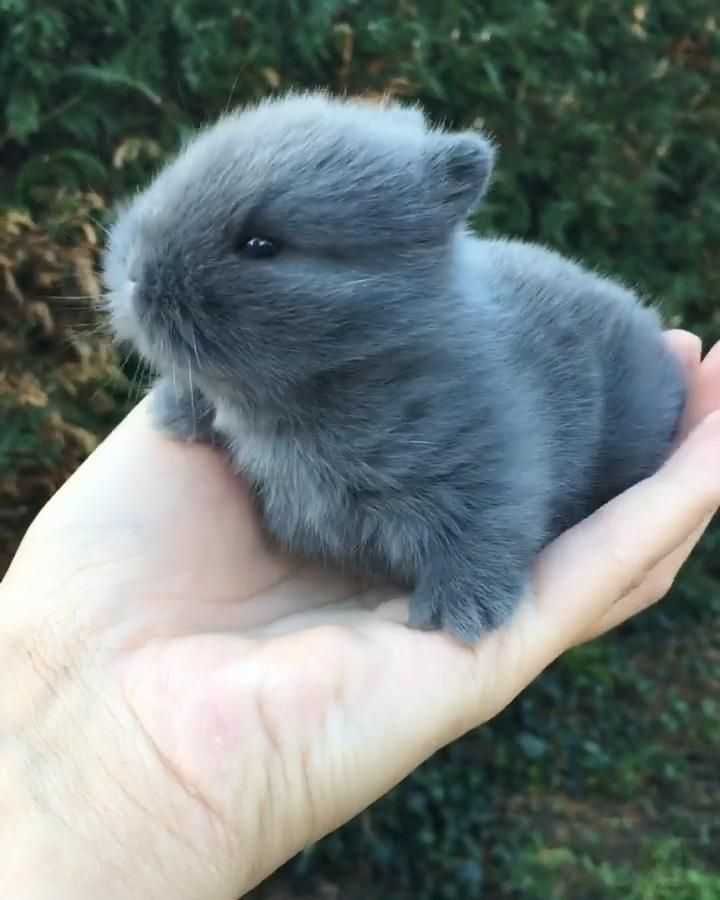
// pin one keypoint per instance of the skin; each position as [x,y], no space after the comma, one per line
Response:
[179,716]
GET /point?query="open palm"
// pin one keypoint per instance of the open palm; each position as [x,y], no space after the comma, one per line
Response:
[238,705]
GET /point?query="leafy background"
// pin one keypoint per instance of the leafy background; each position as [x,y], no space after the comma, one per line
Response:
[602,780]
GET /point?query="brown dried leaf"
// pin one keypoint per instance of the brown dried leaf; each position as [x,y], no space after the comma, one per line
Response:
[85,275]
[48,279]
[11,287]
[40,312]
[83,349]
[346,37]
[14,221]
[67,383]
[86,441]
[9,487]
[89,233]
[401,87]
[28,391]
[50,255]
[7,344]
[94,201]
[272,76]
[102,403]
[130,149]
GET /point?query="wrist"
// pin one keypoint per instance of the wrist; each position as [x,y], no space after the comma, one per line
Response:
[38,826]
[35,851]
[54,841]
[84,810]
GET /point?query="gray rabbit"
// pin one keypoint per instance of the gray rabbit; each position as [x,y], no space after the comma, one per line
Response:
[407,401]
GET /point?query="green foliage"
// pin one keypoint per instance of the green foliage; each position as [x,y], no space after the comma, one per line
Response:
[605,111]
[601,781]
[664,872]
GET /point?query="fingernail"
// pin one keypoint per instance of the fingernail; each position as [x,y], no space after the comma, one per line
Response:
[686,345]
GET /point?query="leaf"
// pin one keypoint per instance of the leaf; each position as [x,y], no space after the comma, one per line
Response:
[28,392]
[532,746]
[112,78]
[69,167]
[132,148]
[493,77]
[272,76]
[23,115]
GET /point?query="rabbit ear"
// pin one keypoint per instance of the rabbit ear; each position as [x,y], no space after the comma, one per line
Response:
[458,169]
[410,116]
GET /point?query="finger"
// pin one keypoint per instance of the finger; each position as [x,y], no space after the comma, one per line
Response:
[705,396]
[657,584]
[687,347]
[581,574]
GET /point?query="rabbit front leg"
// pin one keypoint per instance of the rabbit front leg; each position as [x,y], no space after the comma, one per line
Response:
[474,584]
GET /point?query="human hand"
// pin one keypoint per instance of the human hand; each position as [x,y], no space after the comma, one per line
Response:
[182,710]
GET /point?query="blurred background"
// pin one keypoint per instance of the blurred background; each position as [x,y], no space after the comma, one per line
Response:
[603,780]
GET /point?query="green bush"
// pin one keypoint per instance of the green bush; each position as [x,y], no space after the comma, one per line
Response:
[605,111]
[607,118]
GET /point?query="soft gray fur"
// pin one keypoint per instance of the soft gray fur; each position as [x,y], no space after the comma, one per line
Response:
[407,400]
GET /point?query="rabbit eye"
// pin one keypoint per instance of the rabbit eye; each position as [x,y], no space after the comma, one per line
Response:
[260,248]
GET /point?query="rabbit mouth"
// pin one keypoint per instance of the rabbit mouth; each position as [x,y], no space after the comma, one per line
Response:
[154,332]
[127,323]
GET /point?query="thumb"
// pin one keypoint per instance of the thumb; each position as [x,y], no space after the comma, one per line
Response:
[583,573]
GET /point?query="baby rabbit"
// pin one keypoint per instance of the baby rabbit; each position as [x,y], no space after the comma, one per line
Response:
[406,400]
